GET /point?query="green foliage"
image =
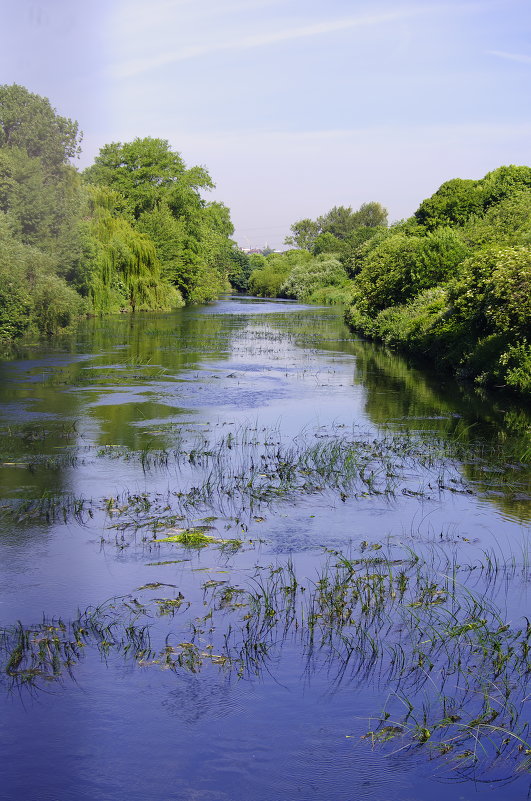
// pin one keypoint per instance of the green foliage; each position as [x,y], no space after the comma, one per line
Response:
[135,235]
[341,221]
[401,266]
[239,270]
[505,223]
[162,200]
[56,305]
[125,271]
[328,233]
[332,295]
[307,278]
[360,244]
[30,293]
[338,235]
[514,367]
[304,233]
[29,123]
[389,271]
[371,215]
[298,274]
[504,182]
[327,243]
[493,291]
[458,200]
[207,284]
[267,280]
[15,300]
[144,172]
[454,202]
[40,202]
[454,283]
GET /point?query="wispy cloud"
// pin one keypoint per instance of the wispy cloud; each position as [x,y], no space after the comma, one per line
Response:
[137,66]
[521,58]
[168,14]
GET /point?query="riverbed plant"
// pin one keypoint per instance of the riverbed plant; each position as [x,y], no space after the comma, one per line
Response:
[453,668]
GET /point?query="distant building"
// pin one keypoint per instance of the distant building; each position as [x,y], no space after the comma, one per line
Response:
[261,251]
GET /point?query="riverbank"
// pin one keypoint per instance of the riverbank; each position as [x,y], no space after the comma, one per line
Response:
[432,330]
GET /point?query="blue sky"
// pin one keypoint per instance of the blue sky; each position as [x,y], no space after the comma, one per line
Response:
[293,105]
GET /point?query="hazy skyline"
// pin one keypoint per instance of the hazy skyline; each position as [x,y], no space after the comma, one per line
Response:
[292,106]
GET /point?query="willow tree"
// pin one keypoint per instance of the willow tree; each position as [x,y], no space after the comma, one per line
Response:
[125,271]
[162,198]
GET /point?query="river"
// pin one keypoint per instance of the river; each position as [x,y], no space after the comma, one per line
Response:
[245,555]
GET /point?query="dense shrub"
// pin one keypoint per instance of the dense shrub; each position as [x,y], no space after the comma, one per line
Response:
[31,294]
[493,291]
[460,295]
[305,279]
[272,271]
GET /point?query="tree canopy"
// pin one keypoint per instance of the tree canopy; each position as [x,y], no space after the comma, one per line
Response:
[337,226]
[28,122]
[132,232]
[162,199]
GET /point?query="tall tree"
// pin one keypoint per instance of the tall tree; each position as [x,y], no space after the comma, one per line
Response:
[303,234]
[147,171]
[29,122]
[39,188]
[162,198]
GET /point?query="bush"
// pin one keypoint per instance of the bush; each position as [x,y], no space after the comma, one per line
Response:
[514,366]
[462,294]
[305,279]
[55,305]
[332,295]
[266,282]
[410,325]
[493,292]
[15,305]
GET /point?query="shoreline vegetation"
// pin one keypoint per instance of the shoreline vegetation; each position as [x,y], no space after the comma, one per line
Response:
[132,232]
[450,285]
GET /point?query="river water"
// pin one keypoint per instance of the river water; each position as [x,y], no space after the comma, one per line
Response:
[363,514]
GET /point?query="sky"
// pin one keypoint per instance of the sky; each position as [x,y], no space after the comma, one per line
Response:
[293,106]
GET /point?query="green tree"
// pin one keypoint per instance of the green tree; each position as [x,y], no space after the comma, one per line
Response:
[239,270]
[162,200]
[28,122]
[125,271]
[370,215]
[453,203]
[306,278]
[339,222]
[39,188]
[147,171]
[303,234]
[327,243]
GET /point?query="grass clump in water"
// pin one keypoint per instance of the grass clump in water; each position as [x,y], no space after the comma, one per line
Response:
[198,538]
[190,538]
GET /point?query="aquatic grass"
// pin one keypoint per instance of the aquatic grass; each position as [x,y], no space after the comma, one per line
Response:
[197,538]
[246,471]
[455,672]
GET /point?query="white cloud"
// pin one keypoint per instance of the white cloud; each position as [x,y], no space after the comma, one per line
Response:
[519,57]
[137,66]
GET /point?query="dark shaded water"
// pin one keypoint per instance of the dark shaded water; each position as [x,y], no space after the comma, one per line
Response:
[230,417]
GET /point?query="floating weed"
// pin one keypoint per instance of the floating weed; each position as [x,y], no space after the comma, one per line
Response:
[191,538]
[455,670]
[246,472]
